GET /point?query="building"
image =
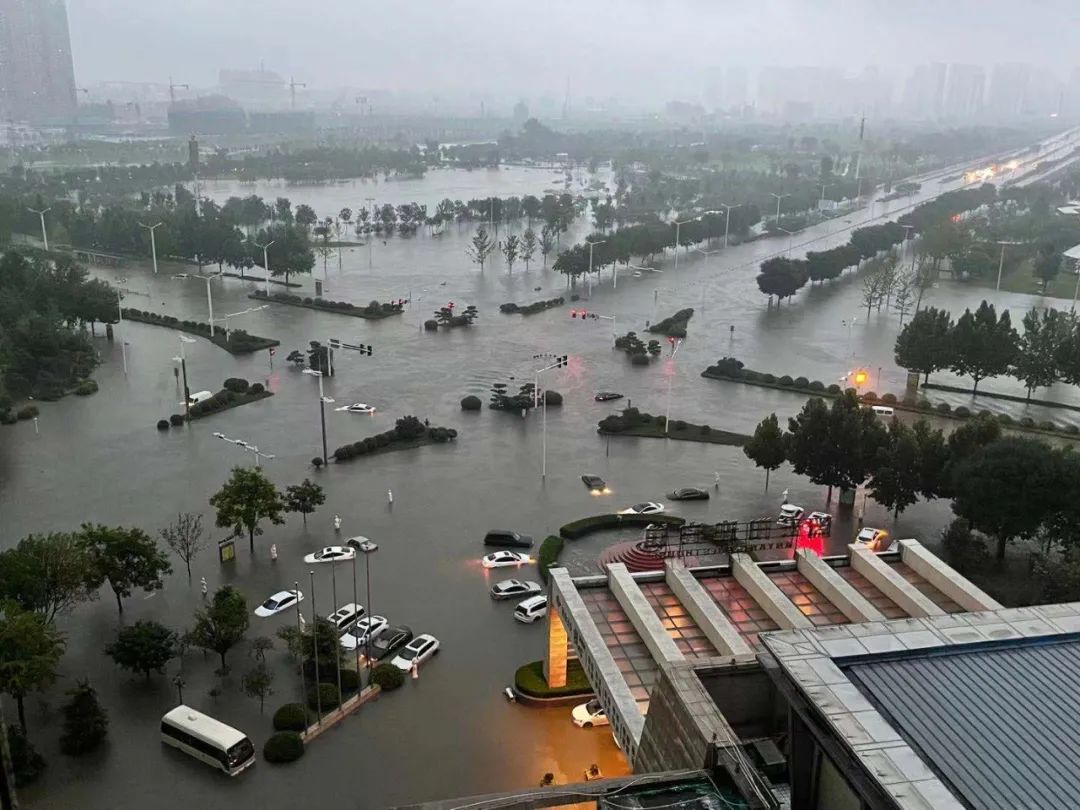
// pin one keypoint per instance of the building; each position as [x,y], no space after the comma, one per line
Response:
[964,91]
[37,78]
[1008,90]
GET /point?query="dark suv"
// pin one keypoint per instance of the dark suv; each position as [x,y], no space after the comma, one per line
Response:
[388,642]
[507,538]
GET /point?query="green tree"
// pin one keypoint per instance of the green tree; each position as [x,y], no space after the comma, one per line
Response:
[1036,361]
[85,723]
[125,558]
[480,247]
[933,459]
[547,242]
[304,498]
[323,639]
[983,345]
[782,277]
[245,500]
[221,625]
[766,447]
[46,573]
[1007,488]
[26,763]
[305,216]
[510,249]
[923,345]
[837,446]
[528,246]
[260,645]
[258,683]
[30,649]
[184,537]
[1047,264]
[897,476]
[146,646]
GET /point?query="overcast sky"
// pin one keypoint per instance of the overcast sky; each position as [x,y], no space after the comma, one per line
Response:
[655,49]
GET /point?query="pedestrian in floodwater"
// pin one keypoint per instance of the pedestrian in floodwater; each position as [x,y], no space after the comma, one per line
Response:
[337,523]
[273,551]
[390,496]
[205,589]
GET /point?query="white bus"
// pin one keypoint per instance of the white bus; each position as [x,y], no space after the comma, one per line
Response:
[207,739]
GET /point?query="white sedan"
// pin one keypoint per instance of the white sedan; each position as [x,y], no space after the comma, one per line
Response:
[647,508]
[501,559]
[331,554]
[282,600]
[364,632]
[416,652]
[587,715]
[358,407]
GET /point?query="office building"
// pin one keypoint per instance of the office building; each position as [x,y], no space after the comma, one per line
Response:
[1008,90]
[37,79]
[924,93]
[964,91]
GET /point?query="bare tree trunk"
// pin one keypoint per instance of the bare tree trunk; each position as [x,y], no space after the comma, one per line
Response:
[767,471]
[22,713]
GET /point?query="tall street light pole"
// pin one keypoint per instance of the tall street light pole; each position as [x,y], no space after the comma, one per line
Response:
[153,242]
[247,311]
[560,362]
[678,226]
[183,370]
[266,265]
[667,407]
[779,197]
[591,246]
[323,400]
[42,213]
[247,446]
[371,220]
[727,223]
[209,295]
[1001,264]
[791,238]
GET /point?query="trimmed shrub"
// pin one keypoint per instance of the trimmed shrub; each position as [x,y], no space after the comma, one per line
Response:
[576,529]
[238,385]
[817,385]
[870,396]
[1027,422]
[639,359]
[986,414]
[86,388]
[704,430]
[924,405]
[548,556]
[1005,419]
[553,399]
[769,378]
[802,382]
[328,697]
[888,399]
[729,367]
[1047,426]
[316,462]
[529,680]
[176,420]
[786,381]
[162,424]
[284,746]
[1072,430]
[9,418]
[387,677]
[833,389]
[431,326]
[943,407]
[471,403]
[257,388]
[291,717]
[350,680]
[962,411]
[27,412]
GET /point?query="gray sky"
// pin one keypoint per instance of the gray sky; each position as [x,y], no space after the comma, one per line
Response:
[641,49]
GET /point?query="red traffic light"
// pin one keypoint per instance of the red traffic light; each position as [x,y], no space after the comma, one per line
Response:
[573,313]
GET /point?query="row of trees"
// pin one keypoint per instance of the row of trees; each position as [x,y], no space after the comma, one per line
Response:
[983,344]
[1008,487]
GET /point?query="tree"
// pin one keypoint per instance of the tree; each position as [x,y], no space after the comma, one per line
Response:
[983,345]
[872,290]
[923,345]
[837,446]
[902,298]
[305,216]
[30,649]
[222,624]
[528,246]
[547,242]
[897,476]
[510,251]
[245,500]
[933,459]
[85,723]
[146,646]
[1047,264]
[304,498]
[257,683]
[260,645]
[184,537]
[26,763]
[46,573]
[1007,488]
[782,277]
[766,447]
[125,558]
[480,247]
[1036,361]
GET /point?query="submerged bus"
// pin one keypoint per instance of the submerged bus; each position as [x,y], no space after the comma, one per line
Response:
[207,739]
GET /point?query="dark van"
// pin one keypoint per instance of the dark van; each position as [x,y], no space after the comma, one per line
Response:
[507,539]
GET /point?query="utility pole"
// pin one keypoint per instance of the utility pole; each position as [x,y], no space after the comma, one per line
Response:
[667,408]
[591,246]
[323,401]
[153,242]
[266,265]
[173,88]
[727,223]
[779,197]
[1001,265]
[42,213]
[293,84]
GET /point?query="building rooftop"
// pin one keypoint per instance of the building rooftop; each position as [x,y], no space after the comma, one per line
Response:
[961,710]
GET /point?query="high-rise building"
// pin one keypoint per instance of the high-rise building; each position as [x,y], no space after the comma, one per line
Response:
[964,91]
[735,89]
[37,79]
[1008,89]
[924,93]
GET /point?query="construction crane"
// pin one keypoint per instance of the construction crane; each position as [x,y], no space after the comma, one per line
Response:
[173,88]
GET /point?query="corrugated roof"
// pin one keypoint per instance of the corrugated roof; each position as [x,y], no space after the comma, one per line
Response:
[999,725]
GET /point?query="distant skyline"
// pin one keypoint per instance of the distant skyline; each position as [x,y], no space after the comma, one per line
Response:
[638,50]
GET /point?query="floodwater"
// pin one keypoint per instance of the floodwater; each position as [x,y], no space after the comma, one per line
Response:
[450,732]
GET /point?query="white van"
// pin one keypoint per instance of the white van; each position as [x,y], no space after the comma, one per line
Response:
[199,396]
[531,609]
[882,410]
[200,735]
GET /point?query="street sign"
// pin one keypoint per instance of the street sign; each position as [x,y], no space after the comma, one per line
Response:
[226,550]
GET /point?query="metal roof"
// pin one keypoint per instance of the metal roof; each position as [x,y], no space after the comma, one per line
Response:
[999,724]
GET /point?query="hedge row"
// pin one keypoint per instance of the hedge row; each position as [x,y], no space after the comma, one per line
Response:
[533,308]
[374,309]
[576,529]
[381,441]
[529,680]
[675,325]
[548,555]
[236,341]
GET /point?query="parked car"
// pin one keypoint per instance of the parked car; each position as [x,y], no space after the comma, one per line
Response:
[361,543]
[364,632]
[823,521]
[509,588]
[874,539]
[881,410]
[389,642]
[331,554]
[531,609]
[587,715]
[607,396]
[358,407]
[502,559]
[594,482]
[282,600]
[416,652]
[646,508]
[790,514]
[506,537]
[690,494]
[345,616]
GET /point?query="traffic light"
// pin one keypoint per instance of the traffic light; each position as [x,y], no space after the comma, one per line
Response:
[561,361]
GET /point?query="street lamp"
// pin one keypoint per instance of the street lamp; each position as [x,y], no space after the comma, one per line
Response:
[678,226]
[791,237]
[42,213]
[706,254]
[266,265]
[183,369]
[1001,261]
[367,547]
[323,402]
[120,313]
[727,223]
[371,218]
[560,362]
[209,295]
[850,324]
[779,197]
[591,246]
[667,408]
[248,447]
[153,242]
[238,314]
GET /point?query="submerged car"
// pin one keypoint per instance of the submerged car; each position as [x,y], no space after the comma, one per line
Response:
[282,600]
[790,514]
[416,652]
[607,396]
[587,715]
[509,588]
[344,616]
[331,554]
[594,482]
[389,642]
[874,539]
[531,609]
[358,407]
[506,537]
[690,494]
[501,559]
[823,521]
[646,508]
[364,632]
